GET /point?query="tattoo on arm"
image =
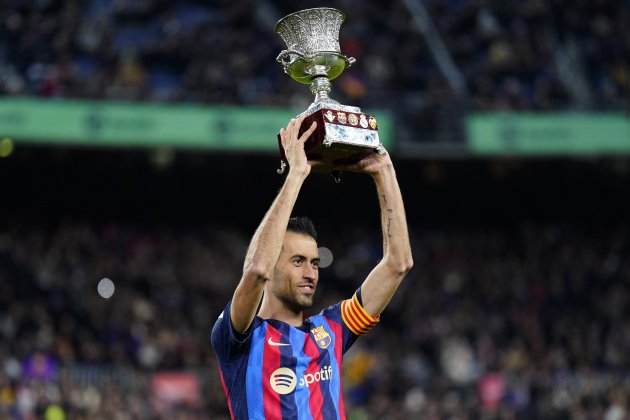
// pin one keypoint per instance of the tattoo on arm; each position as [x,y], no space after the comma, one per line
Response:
[389,216]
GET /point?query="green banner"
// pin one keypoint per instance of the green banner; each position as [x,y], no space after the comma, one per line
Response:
[99,123]
[548,133]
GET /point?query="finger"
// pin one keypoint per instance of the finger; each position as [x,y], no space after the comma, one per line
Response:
[300,118]
[291,130]
[344,168]
[308,132]
[298,123]
[291,124]
[348,167]
[297,120]
[283,140]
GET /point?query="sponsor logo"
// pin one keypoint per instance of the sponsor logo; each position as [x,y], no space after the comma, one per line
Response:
[273,343]
[330,115]
[322,338]
[325,374]
[284,381]
[363,121]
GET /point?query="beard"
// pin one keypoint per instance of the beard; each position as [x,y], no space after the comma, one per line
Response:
[293,299]
[297,302]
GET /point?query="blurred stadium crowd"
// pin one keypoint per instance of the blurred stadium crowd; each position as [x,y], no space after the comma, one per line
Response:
[524,323]
[529,322]
[531,55]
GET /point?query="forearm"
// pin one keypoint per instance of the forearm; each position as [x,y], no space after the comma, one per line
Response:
[266,243]
[396,246]
[381,284]
[263,253]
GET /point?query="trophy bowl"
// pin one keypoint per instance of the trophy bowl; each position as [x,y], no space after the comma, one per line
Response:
[312,38]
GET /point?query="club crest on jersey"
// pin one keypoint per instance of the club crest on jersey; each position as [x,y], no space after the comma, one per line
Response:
[322,338]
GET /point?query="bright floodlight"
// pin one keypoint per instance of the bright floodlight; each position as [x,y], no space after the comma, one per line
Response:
[106,288]
[325,257]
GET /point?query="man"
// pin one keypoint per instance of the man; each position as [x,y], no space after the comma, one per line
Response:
[274,364]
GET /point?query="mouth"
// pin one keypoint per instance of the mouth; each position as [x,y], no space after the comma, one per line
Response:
[307,289]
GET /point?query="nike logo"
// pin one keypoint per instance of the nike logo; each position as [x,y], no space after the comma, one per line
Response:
[273,343]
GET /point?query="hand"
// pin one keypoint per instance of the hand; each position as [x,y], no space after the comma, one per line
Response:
[371,164]
[294,146]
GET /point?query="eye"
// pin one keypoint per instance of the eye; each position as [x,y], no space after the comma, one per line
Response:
[315,264]
[297,262]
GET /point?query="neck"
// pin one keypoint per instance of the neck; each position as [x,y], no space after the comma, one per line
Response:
[276,309]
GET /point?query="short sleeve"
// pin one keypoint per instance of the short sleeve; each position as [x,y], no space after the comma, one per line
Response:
[226,342]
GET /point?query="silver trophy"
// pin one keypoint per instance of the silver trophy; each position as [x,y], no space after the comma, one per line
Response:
[344,134]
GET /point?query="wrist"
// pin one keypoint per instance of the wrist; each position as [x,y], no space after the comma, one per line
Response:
[385,170]
[298,174]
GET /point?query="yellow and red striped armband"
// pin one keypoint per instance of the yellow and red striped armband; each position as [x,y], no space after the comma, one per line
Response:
[355,317]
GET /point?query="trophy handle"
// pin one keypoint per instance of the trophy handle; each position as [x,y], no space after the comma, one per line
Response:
[283,167]
[285,59]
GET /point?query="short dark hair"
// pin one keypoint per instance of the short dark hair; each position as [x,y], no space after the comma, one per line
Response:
[302,225]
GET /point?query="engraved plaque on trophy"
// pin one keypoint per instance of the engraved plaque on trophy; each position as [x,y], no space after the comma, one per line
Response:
[344,134]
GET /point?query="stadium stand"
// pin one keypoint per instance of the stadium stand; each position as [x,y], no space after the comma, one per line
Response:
[530,55]
[517,307]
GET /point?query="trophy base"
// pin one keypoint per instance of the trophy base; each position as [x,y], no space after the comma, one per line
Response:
[344,135]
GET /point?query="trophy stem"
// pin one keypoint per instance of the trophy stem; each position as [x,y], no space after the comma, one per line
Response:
[320,86]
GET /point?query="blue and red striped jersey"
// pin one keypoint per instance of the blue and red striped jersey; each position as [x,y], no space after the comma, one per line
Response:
[277,371]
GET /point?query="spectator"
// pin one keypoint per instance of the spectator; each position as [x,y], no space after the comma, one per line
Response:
[524,323]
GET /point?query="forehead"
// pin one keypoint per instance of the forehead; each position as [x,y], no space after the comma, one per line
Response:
[298,244]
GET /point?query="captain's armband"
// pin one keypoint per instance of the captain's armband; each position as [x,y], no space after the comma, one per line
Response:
[355,317]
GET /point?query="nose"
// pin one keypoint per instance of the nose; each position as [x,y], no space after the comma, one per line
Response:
[309,272]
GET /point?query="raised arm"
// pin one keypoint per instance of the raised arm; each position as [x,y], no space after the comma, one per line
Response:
[381,284]
[266,243]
